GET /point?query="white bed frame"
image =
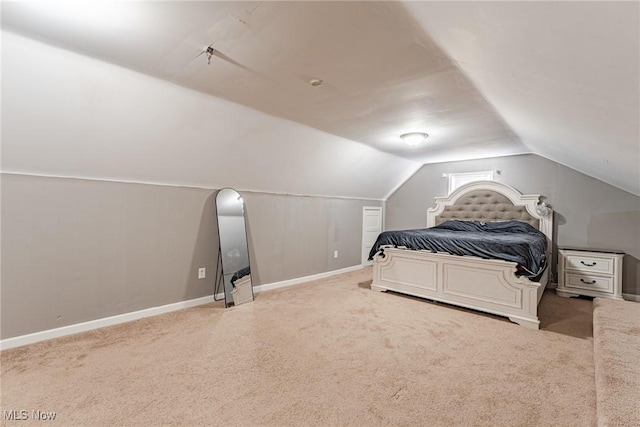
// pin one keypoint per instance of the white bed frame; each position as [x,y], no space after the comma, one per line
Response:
[481,284]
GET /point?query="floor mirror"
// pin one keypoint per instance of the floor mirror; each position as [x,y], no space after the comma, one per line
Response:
[233,255]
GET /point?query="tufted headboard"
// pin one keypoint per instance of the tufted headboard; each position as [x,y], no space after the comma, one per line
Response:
[488,201]
[486,206]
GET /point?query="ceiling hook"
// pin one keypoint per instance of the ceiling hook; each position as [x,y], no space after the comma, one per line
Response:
[210,51]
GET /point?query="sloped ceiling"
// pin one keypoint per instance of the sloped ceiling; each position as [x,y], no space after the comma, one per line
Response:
[482,79]
[564,76]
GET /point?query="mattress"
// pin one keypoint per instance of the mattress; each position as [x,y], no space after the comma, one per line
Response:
[513,241]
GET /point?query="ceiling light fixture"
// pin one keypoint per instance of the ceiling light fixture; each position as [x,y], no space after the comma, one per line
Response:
[315,82]
[414,138]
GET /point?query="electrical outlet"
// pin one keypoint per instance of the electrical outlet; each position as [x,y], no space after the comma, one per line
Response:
[202,273]
[335,254]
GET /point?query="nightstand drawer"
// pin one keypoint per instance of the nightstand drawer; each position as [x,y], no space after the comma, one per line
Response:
[592,272]
[589,264]
[584,281]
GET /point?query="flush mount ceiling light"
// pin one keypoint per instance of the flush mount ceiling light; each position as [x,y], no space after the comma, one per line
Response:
[414,138]
[315,82]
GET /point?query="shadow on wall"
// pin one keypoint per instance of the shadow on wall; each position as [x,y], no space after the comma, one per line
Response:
[205,253]
[631,272]
[255,272]
[624,229]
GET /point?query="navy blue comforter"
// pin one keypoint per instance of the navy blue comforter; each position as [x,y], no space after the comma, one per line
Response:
[514,241]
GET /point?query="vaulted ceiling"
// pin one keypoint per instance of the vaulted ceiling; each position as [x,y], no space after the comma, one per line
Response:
[483,79]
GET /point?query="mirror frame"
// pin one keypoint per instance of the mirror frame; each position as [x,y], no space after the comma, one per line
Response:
[223,278]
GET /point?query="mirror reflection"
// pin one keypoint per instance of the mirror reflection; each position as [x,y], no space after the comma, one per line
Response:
[234,253]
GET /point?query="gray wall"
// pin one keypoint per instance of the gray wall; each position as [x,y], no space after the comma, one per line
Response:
[76,250]
[588,212]
[294,236]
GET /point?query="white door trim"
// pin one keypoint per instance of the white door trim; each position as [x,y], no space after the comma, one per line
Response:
[370,231]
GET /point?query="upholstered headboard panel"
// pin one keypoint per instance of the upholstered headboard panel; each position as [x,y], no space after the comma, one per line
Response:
[486,206]
[488,201]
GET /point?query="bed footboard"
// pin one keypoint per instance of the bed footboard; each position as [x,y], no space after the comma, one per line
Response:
[486,285]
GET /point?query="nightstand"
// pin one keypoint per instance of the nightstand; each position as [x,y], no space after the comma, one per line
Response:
[591,272]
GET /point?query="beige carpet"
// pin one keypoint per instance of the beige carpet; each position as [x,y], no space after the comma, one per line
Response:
[617,361]
[327,353]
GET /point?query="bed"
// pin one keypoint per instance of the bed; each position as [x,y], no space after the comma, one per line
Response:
[242,291]
[498,286]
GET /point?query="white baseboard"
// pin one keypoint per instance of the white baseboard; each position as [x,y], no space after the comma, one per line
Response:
[100,323]
[631,297]
[298,280]
[153,311]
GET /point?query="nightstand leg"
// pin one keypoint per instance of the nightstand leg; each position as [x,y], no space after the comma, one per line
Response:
[564,294]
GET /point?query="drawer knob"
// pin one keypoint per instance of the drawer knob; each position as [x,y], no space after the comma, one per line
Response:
[588,265]
[588,283]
